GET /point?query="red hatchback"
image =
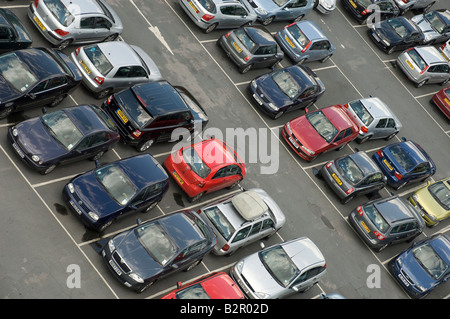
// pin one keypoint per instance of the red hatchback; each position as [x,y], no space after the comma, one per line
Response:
[215,286]
[442,100]
[205,167]
[321,131]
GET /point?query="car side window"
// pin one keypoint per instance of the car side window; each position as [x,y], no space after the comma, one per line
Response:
[339,136]
[87,23]
[255,229]
[348,132]
[138,71]
[390,123]
[84,143]
[57,82]
[298,3]
[321,45]
[229,170]
[404,228]
[102,23]
[309,91]
[241,234]
[381,123]
[5,33]
[42,86]
[308,275]
[232,10]
[123,72]
[270,49]
[267,224]
[99,138]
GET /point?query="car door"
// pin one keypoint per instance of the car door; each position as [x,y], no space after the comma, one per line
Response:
[306,98]
[306,279]
[403,231]
[42,93]
[149,196]
[370,184]
[7,38]
[189,256]
[265,56]
[438,73]
[293,9]
[224,177]
[319,50]
[89,146]
[384,127]
[420,172]
[234,15]
[409,41]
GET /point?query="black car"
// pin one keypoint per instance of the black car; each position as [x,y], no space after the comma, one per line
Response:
[13,34]
[116,189]
[150,112]
[140,256]
[35,77]
[291,88]
[396,34]
[386,221]
[251,47]
[364,10]
[64,136]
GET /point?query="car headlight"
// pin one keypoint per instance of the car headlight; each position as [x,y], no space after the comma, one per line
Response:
[15,131]
[136,277]
[238,267]
[272,106]
[71,188]
[253,84]
[386,43]
[111,245]
[35,158]
[308,150]
[261,11]
[262,295]
[288,127]
[94,216]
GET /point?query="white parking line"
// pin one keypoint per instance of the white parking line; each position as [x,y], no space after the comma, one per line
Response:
[423,95]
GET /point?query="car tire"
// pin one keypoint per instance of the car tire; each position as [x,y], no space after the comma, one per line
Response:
[145,145]
[150,207]
[105,225]
[196,197]
[57,100]
[234,184]
[326,58]
[4,113]
[48,170]
[246,68]
[279,114]
[363,140]
[145,287]
[268,20]
[389,137]
[422,83]
[299,18]
[111,37]
[391,50]
[64,44]
[97,156]
[210,28]
[428,7]
[102,94]
[347,199]
[192,266]
[381,248]
[445,82]
[401,186]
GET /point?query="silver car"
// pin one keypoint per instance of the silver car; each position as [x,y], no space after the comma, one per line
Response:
[63,22]
[243,219]
[114,65]
[280,270]
[375,119]
[435,25]
[424,64]
[218,14]
[281,10]
[406,5]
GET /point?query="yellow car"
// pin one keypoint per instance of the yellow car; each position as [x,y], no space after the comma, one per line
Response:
[433,201]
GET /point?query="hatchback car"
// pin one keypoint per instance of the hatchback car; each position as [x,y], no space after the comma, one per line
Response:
[424,266]
[317,132]
[251,47]
[116,189]
[219,14]
[13,34]
[362,10]
[152,112]
[423,65]
[287,89]
[353,175]
[110,66]
[281,10]
[375,118]
[205,167]
[141,255]
[442,100]
[395,34]
[62,22]
[242,219]
[47,76]
[325,6]
[217,285]
[62,137]
[386,221]
[304,41]
[280,270]
[433,201]
[435,25]
[445,49]
[406,5]
[404,162]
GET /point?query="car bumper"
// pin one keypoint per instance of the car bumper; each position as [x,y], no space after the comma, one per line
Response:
[295,147]
[357,15]
[287,49]
[261,104]
[22,153]
[331,182]
[355,222]
[391,180]
[406,70]
[222,43]
[404,280]
[375,39]
[40,25]
[190,189]
[198,21]
[442,104]
[88,83]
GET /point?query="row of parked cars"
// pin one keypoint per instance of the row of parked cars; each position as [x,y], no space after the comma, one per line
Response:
[140,108]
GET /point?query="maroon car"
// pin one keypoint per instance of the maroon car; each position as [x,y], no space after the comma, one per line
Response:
[317,132]
[442,100]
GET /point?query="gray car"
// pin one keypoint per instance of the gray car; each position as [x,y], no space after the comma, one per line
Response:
[435,25]
[281,10]
[353,175]
[63,22]
[304,41]
[375,119]
[406,5]
[114,65]
[423,65]
[243,219]
[218,14]
[280,270]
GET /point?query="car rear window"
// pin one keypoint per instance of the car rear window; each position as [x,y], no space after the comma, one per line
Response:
[220,222]
[298,35]
[131,104]
[60,12]
[98,58]
[361,111]
[375,217]
[402,157]
[350,170]
[245,39]
[418,60]
[195,162]
[208,5]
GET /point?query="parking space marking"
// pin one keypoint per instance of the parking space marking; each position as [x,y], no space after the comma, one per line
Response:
[424,95]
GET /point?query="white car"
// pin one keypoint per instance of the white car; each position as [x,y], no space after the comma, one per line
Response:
[325,6]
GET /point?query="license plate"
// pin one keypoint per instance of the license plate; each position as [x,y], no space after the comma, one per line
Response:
[375,36]
[290,42]
[116,269]
[353,4]
[177,177]
[238,49]
[410,65]
[39,23]
[193,6]
[363,224]
[400,276]
[257,99]
[292,142]
[447,101]
[336,179]
[85,67]
[18,150]
[122,116]
[387,165]
[75,207]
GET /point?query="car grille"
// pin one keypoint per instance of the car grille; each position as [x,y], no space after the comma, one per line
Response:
[120,262]
[406,277]
[262,96]
[80,203]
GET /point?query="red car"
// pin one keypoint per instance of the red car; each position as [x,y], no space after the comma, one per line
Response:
[205,167]
[215,286]
[442,100]
[320,131]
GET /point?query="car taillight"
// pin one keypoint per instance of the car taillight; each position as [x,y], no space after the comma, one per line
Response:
[346,105]
[360,211]
[364,129]
[61,32]
[228,34]
[306,47]
[247,58]
[109,99]
[329,164]
[349,191]
[199,211]
[99,79]
[36,2]
[207,17]
[136,133]
[398,175]
[380,153]
[366,11]
[379,236]
[77,50]
[405,1]
[289,25]
[226,247]
[424,69]
[443,46]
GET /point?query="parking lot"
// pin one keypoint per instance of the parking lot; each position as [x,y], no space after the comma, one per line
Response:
[42,239]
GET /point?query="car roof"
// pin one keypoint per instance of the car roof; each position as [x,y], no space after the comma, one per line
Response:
[260,35]
[40,62]
[143,170]
[119,53]
[376,107]
[87,119]
[83,7]
[395,209]
[303,252]
[311,30]
[430,54]
[217,154]
[365,163]
[338,116]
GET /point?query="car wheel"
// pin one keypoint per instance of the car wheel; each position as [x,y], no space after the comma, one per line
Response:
[278,115]
[97,156]
[105,225]
[210,28]
[326,58]
[268,20]
[401,186]
[102,94]
[111,37]
[299,18]
[246,69]
[48,170]
[196,197]
[149,208]
[142,147]
[64,44]
[5,112]
[192,265]
[391,49]
[390,136]
[428,7]
[421,83]
[234,184]
[381,248]
[347,199]
[445,82]
[340,147]
[57,100]
[363,140]
[145,287]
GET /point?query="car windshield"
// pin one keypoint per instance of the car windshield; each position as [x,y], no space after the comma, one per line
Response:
[375,217]
[402,157]
[322,125]
[280,266]
[286,83]
[361,111]
[98,59]
[398,27]
[156,242]
[195,162]
[430,261]
[16,73]
[62,129]
[116,183]
[280,3]
[418,60]
[435,21]
[245,39]
[441,193]
[220,222]
[350,170]
[60,12]
[193,292]
[298,35]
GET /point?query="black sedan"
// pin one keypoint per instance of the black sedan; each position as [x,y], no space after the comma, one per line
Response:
[113,190]
[35,77]
[366,10]
[13,34]
[251,47]
[291,88]
[140,256]
[396,34]
[62,137]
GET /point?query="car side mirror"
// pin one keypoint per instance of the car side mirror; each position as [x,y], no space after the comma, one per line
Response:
[403,139]
[179,284]
[44,110]
[97,163]
[428,183]
[261,244]
[138,221]
[31,95]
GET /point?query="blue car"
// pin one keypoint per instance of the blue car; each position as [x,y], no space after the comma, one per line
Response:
[404,162]
[423,266]
[281,10]
[113,190]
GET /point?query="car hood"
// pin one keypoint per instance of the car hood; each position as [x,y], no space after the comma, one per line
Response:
[271,91]
[425,27]
[7,93]
[267,5]
[386,32]
[35,138]
[429,204]
[415,271]
[307,135]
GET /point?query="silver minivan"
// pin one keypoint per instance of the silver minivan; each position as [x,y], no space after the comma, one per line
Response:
[423,65]
[242,219]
